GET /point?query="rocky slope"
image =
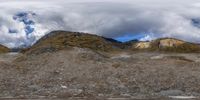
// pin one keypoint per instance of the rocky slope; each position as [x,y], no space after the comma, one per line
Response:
[166,45]
[169,42]
[81,72]
[142,45]
[4,49]
[67,64]
[59,40]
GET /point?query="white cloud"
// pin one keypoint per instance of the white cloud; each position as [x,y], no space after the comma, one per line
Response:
[110,18]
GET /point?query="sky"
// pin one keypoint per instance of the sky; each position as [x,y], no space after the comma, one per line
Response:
[23,22]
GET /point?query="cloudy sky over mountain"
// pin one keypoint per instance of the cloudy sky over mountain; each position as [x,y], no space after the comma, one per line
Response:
[22,22]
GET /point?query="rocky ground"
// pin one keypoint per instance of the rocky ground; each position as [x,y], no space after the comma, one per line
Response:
[83,73]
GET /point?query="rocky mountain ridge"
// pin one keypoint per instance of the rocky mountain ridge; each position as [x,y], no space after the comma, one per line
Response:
[59,40]
[166,45]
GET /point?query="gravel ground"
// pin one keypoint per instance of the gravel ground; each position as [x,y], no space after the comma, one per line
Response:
[87,74]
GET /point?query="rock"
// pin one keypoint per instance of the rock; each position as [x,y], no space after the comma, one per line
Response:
[157,57]
[142,45]
[170,42]
[64,87]
[171,92]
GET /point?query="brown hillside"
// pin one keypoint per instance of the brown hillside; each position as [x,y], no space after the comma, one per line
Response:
[58,40]
[174,45]
[4,49]
[166,45]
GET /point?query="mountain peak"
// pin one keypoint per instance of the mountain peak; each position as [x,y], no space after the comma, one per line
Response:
[59,40]
[142,45]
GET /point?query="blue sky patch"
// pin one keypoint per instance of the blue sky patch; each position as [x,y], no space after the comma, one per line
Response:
[196,22]
[130,37]
[29,30]
[28,22]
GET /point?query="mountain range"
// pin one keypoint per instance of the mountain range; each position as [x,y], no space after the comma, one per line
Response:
[59,40]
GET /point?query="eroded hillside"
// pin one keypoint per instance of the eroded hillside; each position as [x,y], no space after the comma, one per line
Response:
[165,45]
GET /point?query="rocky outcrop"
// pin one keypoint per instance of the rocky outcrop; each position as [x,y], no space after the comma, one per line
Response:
[164,44]
[142,45]
[174,45]
[169,42]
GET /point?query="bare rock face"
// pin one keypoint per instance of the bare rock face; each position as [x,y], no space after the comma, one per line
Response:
[170,43]
[165,45]
[143,45]
[174,45]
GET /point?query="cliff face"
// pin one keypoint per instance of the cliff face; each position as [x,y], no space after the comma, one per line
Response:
[142,45]
[159,43]
[165,45]
[170,42]
[174,45]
